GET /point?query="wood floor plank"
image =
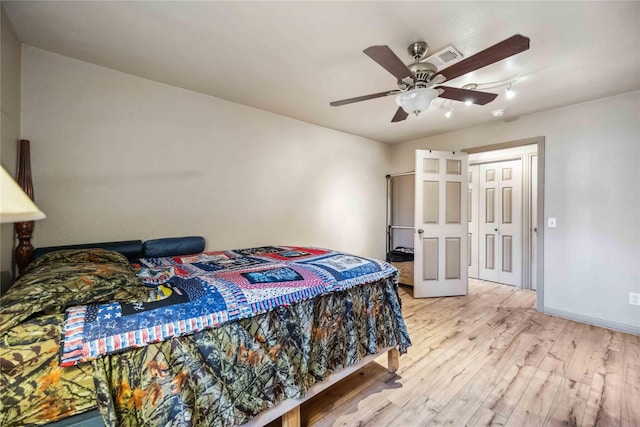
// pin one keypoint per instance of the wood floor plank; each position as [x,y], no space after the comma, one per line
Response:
[471,383]
[453,367]
[490,359]
[536,401]
[630,408]
[632,363]
[582,365]
[486,418]
[562,350]
[633,339]
[455,332]
[604,403]
[363,409]
[505,396]
[569,406]
[469,400]
[344,393]
[419,411]
[507,393]
[385,414]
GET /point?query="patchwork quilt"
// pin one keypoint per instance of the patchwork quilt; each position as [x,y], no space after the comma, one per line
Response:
[203,291]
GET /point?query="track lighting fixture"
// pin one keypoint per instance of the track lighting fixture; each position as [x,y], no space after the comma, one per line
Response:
[509,93]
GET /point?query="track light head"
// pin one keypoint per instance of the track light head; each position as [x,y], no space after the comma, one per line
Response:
[510,93]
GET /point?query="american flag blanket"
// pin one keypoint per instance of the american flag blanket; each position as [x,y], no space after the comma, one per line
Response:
[196,292]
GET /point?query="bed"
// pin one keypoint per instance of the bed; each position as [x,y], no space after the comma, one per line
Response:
[276,347]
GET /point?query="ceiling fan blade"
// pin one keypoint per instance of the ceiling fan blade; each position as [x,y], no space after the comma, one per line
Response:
[388,60]
[363,98]
[477,97]
[399,116]
[497,52]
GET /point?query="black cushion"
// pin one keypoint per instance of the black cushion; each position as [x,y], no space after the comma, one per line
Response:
[172,246]
[400,254]
[132,249]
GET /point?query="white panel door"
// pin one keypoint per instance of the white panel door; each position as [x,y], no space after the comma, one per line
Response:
[472,216]
[500,216]
[440,249]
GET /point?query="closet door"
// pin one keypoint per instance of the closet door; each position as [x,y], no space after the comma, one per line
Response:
[500,215]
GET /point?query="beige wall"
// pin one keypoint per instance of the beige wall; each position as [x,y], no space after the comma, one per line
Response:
[119,157]
[10,133]
[591,187]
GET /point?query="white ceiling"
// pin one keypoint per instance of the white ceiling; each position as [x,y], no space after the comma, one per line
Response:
[293,58]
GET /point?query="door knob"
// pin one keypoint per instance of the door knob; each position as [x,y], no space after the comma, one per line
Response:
[420,231]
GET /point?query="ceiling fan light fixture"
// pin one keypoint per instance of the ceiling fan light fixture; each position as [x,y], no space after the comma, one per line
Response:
[416,100]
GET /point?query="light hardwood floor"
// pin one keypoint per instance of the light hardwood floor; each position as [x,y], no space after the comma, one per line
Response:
[490,359]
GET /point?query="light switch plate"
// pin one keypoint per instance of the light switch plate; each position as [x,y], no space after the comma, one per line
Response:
[552,222]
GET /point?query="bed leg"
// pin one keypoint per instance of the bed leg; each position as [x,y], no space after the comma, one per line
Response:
[393,360]
[291,418]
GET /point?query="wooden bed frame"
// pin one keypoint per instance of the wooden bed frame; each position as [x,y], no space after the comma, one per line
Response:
[288,409]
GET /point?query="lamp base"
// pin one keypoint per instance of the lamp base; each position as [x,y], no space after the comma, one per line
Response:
[24,250]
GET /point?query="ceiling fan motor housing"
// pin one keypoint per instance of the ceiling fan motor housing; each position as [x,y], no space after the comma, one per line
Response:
[424,72]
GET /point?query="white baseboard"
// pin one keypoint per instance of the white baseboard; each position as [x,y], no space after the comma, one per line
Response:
[593,321]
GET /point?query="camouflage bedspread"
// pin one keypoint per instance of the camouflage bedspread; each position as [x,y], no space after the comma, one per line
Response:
[223,376]
[35,390]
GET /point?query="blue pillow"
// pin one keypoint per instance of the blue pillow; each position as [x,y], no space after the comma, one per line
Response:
[172,246]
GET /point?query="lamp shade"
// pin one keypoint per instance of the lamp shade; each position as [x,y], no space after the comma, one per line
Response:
[15,205]
[416,100]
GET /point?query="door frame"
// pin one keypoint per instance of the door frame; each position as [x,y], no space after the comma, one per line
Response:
[539,141]
[498,162]
[522,156]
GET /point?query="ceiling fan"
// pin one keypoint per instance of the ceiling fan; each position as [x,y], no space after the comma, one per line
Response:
[417,81]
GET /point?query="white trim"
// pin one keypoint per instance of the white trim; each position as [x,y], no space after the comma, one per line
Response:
[592,321]
[540,225]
